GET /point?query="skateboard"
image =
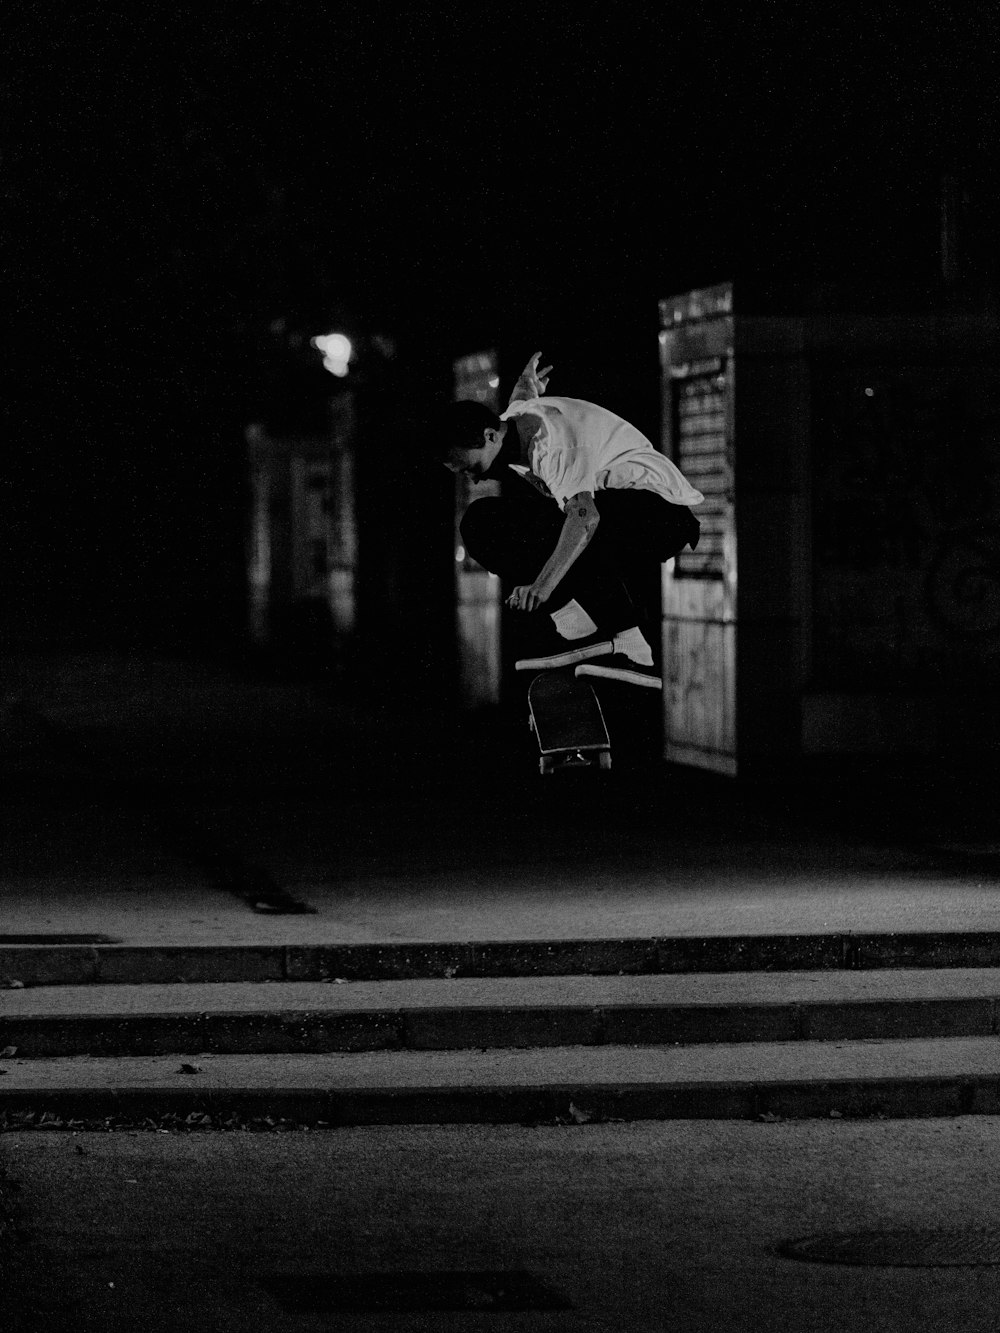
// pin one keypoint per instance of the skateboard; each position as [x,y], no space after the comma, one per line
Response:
[566,717]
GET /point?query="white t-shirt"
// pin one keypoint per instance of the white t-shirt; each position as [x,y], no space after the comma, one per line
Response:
[581,447]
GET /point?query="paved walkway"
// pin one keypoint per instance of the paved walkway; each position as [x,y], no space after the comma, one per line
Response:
[142,796]
[644,1227]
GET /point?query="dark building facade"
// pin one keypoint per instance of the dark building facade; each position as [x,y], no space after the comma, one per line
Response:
[846,596]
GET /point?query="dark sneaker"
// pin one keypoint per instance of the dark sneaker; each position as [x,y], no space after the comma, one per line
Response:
[620,667]
[569,657]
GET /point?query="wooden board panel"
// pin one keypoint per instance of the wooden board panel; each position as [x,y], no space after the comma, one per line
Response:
[699,692]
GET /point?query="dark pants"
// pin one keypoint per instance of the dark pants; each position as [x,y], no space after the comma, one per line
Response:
[513,538]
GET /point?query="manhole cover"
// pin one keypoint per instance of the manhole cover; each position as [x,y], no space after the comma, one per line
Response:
[899,1249]
[408,1292]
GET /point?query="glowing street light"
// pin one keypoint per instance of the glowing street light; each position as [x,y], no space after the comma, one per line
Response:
[336,350]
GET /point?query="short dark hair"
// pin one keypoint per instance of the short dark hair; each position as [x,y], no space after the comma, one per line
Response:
[463,427]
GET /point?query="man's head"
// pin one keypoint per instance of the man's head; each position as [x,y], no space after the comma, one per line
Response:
[470,439]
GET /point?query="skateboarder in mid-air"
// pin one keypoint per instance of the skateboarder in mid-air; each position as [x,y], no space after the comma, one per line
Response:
[604,505]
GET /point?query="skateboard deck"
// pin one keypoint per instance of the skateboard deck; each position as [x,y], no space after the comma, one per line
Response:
[566,717]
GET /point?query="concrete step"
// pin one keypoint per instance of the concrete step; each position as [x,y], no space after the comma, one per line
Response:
[456,1014]
[942,1077]
[36,962]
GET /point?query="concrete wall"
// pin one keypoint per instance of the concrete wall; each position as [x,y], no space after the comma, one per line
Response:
[906,555]
[858,610]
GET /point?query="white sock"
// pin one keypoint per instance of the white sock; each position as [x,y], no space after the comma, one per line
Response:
[632,642]
[572,621]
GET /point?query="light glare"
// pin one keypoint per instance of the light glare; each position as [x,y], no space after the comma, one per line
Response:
[336,350]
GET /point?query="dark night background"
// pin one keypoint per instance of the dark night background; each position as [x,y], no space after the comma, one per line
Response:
[185,188]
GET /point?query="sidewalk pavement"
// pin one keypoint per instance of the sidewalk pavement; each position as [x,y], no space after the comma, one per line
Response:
[142,794]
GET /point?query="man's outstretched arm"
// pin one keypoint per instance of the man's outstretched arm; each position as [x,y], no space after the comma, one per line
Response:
[579,525]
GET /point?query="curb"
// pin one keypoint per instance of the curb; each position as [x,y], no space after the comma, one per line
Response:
[577,1104]
[109,964]
[444,1028]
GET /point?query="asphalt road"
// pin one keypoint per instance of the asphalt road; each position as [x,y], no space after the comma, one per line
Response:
[640,1227]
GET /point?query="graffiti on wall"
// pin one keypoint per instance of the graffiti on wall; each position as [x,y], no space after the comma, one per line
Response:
[906,506]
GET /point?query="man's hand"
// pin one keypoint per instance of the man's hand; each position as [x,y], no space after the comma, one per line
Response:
[527,597]
[533,380]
